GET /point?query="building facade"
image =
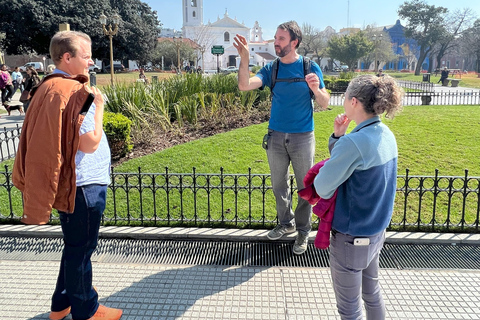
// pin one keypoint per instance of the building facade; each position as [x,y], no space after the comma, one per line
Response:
[221,33]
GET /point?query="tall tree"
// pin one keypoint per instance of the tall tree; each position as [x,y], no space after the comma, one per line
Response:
[471,42]
[30,24]
[349,48]
[320,44]
[425,24]
[455,24]
[309,36]
[382,48]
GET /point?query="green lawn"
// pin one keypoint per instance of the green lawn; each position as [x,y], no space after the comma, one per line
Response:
[428,137]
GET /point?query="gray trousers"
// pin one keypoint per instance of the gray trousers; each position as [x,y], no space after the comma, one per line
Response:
[354,272]
[283,149]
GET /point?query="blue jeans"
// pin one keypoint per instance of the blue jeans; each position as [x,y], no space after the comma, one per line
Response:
[283,149]
[354,272]
[80,236]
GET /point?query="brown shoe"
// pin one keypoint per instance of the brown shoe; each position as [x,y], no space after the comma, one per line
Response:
[104,313]
[59,315]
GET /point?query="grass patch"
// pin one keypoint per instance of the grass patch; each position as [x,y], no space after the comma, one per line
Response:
[428,137]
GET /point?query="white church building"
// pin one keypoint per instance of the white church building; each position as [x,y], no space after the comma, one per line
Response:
[221,33]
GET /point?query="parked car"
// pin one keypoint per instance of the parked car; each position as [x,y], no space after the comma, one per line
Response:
[230,69]
[116,67]
[37,65]
[95,68]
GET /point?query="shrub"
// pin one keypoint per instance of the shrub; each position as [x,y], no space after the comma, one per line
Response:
[328,83]
[117,128]
[340,85]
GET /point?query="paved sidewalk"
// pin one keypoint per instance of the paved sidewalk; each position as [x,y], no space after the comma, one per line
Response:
[155,291]
[200,292]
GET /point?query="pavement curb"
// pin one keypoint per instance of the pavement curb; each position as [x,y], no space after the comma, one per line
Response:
[155,233]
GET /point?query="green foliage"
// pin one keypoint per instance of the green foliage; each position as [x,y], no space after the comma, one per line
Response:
[341,85]
[30,24]
[117,129]
[349,48]
[425,25]
[179,99]
[256,69]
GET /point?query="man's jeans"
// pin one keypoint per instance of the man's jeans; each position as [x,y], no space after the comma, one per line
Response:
[354,272]
[299,149]
[80,236]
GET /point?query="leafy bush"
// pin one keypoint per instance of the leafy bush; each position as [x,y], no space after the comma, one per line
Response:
[178,99]
[328,83]
[256,69]
[117,128]
[340,85]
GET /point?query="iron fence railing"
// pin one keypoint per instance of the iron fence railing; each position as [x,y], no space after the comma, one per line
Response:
[416,85]
[423,203]
[9,139]
[467,97]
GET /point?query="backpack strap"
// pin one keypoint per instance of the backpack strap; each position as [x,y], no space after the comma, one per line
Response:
[307,68]
[274,73]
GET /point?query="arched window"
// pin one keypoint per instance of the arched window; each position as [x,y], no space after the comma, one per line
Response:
[194,14]
[194,3]
[226,37]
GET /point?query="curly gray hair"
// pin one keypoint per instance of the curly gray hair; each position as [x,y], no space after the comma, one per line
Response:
[377,94]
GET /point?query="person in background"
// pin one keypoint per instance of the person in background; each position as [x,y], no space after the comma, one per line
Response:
[443,75]
[30,81]
[6,84]
[362,169]
[67,167]
[17,80]
[142,76]
[380,73]
[49,69]
[290,137]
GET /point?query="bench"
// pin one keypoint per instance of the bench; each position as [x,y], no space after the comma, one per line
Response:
[453,81]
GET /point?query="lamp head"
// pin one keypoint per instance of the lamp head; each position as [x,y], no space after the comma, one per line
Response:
[103,19]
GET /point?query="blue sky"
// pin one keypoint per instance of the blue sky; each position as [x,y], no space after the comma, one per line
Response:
[318,13]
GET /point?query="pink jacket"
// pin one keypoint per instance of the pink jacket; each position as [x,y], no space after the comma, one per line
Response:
[323,208]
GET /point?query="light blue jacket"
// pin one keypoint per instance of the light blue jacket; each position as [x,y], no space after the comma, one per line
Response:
[363,167]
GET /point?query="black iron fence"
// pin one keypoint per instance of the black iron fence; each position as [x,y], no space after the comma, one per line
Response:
[466,97]
[423,203]
[417,86]
[9,139]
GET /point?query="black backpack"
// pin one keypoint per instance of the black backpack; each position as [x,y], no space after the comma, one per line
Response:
[307,68]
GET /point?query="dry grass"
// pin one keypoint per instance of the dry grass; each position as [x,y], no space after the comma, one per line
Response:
[104,79]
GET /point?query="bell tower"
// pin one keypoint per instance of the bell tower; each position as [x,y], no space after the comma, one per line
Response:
[192,13]
[256,33]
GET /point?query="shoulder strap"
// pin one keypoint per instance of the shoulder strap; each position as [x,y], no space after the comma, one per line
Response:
[307,68]
[274,74]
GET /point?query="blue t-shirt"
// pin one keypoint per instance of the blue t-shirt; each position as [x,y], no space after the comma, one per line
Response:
[92,168]
[292,107]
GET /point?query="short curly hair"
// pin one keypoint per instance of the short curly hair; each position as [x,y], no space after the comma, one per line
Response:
[377,94]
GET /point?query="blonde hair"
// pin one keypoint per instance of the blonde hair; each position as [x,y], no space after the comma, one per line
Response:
[66,41]
[377,94]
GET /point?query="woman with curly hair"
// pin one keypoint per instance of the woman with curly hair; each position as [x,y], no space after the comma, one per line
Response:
[363,170]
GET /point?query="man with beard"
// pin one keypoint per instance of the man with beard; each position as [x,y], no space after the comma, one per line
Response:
[290,135]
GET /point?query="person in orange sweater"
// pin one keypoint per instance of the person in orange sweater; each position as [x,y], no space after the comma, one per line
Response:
[67,167]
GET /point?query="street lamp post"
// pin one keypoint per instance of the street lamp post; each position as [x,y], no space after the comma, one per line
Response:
[375,41]
[202,50]
[110,33]
[178,42]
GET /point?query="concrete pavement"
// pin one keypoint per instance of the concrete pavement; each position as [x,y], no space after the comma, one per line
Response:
[173,291]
